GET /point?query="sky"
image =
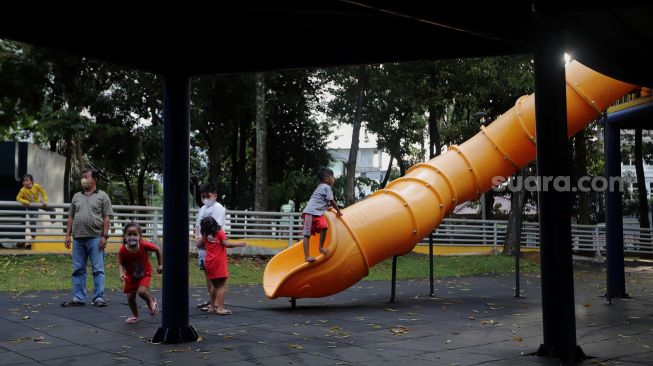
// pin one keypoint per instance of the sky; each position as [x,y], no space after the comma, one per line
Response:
[340,138]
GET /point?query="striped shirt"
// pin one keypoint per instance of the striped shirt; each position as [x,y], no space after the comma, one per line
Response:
[88,211]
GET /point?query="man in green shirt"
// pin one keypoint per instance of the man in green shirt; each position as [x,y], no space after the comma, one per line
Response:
[88,221]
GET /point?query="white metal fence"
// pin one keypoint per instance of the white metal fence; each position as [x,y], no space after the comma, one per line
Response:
[16,224]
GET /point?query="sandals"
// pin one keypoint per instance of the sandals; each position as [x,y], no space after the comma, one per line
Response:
[73,302]
[155,307]
[132,320]
[200,306]
[225,312]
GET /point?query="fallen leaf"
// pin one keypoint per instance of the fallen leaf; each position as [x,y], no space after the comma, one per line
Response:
[176,350]
[294,346]
[399,330]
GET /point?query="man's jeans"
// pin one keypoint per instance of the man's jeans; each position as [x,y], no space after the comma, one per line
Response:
[83,249]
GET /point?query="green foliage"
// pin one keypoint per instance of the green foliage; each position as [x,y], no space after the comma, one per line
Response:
[297,185]
[360,185]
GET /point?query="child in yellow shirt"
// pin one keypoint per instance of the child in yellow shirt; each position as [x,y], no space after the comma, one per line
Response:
[30,192]
[29,195]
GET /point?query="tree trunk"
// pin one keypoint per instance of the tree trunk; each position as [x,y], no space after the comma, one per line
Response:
[244,197]
[350,196]
[261,190]
[580,157]
[141,185]
[641,182]
[402,166]
[387,173]
[513,231]
[53,145]
[78,153]
[125,178]
[233,199]
[214,159]
[435,148]
[66,173]
[489,204]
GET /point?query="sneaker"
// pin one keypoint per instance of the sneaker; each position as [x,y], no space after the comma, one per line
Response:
[132,320]
[73,302]
[155,307]
[99,302]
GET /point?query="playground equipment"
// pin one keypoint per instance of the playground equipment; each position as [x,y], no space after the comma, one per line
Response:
[394,219]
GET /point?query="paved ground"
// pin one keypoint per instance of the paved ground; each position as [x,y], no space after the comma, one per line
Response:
[471,321]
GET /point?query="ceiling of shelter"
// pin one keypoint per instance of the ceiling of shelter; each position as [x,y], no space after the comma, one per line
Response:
[203,37]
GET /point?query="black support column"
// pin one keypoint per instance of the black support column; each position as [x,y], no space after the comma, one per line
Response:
[614,223]
[558,317]
[176,165]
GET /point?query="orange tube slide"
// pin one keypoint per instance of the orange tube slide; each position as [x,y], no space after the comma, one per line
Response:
[393,220]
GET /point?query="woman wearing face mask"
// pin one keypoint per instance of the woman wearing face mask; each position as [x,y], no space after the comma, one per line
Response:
[135,269]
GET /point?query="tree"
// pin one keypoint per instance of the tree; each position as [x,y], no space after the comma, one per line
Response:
[396,116]
[296,141]
[261,195]
[580,164]
[348,86]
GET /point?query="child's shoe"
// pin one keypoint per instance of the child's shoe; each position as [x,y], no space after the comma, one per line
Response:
[132,320]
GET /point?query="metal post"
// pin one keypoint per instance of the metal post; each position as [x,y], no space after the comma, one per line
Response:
[432,291]
[517,268]
[291,222]
[176,165]
[496,238]
[614,224]
[155,235]
[597,245]
[558,316]
[393,298]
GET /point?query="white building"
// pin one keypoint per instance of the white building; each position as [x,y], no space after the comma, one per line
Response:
[370,161]
[628,168]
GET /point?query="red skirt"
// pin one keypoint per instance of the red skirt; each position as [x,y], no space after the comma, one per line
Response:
[215,268]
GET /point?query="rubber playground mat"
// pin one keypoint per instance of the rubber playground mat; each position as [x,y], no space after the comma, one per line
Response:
[468,321]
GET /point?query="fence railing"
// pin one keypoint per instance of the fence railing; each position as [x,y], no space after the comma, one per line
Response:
[17,223]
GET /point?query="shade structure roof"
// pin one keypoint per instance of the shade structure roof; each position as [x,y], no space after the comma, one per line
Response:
[205,37]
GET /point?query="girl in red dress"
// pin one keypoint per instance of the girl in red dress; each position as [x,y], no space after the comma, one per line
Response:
[214,240]
[135,269]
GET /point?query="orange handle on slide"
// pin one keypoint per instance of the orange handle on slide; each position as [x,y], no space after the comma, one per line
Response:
[393,220]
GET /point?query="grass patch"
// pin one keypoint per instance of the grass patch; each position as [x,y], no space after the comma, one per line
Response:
[412,266]
[52,272]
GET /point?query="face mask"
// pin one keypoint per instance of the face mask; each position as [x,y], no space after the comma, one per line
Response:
[208,201]
[86,183]
[131,241]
